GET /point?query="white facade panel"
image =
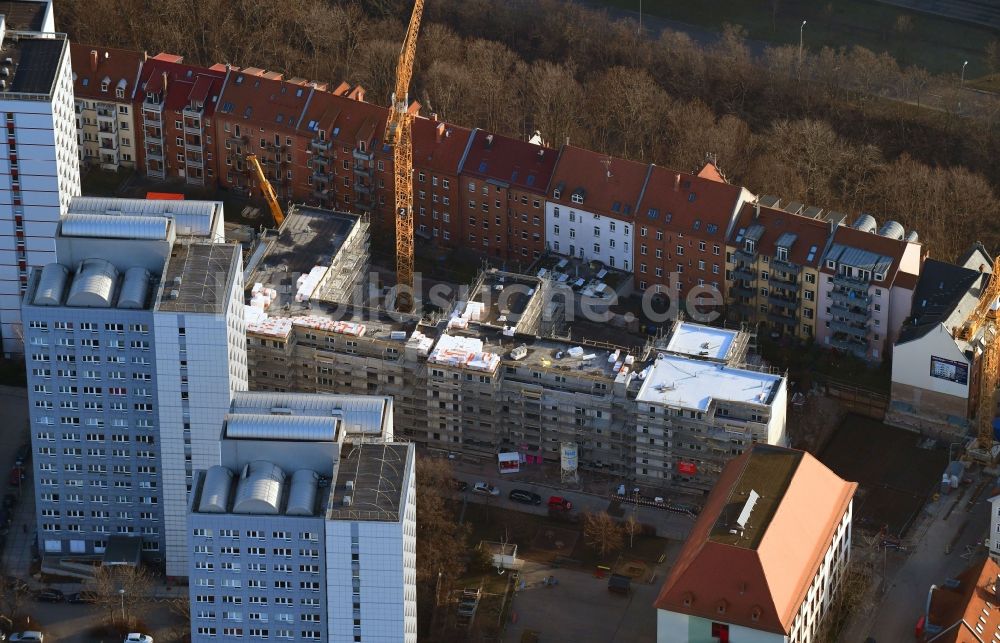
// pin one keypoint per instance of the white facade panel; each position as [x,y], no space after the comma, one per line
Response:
[578,233]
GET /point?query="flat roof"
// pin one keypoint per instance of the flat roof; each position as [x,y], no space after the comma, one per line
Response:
[23,15]
[693,384]
[767,474]
[308,237]
[36,62]
[701,341]
[197,277]
[370,482]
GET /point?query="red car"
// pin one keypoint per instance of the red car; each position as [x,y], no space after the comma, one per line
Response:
[17,476]
[559,503]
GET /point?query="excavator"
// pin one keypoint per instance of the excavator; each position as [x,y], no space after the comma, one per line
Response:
[265,186]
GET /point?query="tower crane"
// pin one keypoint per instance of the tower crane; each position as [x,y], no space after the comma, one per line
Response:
[399,135]
[984,318]
[265,186]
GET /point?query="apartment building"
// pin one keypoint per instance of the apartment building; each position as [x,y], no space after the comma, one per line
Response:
[682,222]
[766,556]
[935,373]
[438,148]
[104,80]
[306,529]
[178,104]
[40,172]
[504,181]
[963,608]
[486,377]
[137,342]
[773,259]
[866,286]
[590,213]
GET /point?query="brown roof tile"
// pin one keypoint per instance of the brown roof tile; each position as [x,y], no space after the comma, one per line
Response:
[181,81]
[761,577]
[438,146]
[689,204]
[520,164]
[274,104]
[811,235]
[610,186]
[92,64]
[958,610]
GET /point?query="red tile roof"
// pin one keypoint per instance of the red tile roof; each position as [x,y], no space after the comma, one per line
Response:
[811,235]
[712,173]
[689,204]
[265,101]
[610,186]
[759,577]
[345,120]
[959,610]
[184,83]
[872,242]
[91,65]
[438,146]
[520,164]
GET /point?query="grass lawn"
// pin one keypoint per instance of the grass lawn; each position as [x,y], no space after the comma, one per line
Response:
[98,182]
[934,43]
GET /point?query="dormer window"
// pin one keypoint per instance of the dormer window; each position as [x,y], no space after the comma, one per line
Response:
[831,264]
[120,93]
[879,276]
[782,254]
[104,87]
[556,194]
[361,146]
[577,198]
[749,245]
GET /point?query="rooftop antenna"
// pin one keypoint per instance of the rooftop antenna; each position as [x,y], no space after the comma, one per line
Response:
[606,162]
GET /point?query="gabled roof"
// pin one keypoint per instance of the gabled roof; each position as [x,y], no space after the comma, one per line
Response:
[945,294]
[609,186]
[712,172]
[749,561]
[92,64]
[509,161]
[806,238]
[687,203]
[966,607]
[264,100]
[438,146]
[184,83]
[345,120]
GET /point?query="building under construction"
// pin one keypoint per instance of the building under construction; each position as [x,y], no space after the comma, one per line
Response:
[486,375]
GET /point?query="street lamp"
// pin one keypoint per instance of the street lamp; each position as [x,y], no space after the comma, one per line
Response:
[801,27]
[962,84]
[121,593]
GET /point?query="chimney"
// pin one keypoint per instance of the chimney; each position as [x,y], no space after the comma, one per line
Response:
[434,116]
[93,60]
[440,131]
[756,209]
[107,55]
[165,85]
[145,55]
[677,182]
[489,141]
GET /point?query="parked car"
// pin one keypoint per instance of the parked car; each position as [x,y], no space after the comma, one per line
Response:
[9,501]
[485,489]
[17,476]
[459,485]
[559,503]
[525,497]
[81,597]
[23,455]
[30,635]
[136,637]
[50,595]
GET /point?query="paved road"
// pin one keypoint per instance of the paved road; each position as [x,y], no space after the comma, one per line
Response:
[668,524]
[893,616]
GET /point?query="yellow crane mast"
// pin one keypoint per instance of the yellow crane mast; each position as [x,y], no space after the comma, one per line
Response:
[398,134]
[985,317]
[265,186]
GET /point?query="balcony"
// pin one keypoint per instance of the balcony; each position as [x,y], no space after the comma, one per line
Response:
[195,161]
[104,114]
[745,273]
[321,194]
[851,314]
[192,145]
[859,349]
[740,290]
[743,254]
[362,188]
[790,268]
[850,297]
[154,153]
[109,143]
[778,316]
[363,156]
[860,332]
[318,145]
[783,302]
[364,204]
[192,127]
[851,283]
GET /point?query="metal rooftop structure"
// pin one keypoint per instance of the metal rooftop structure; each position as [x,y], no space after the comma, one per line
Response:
[197,277]
[371,481]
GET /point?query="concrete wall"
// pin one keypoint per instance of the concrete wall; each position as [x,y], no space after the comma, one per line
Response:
[911,369]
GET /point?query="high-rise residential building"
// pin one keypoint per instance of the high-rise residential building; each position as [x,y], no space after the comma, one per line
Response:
[40,172]
[104,81]
[136,343]
[766,556]
[305,529]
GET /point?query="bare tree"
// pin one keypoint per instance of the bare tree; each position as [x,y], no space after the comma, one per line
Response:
[601,533]
[556,99]
[121,591]
[13,595]
[632,527]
